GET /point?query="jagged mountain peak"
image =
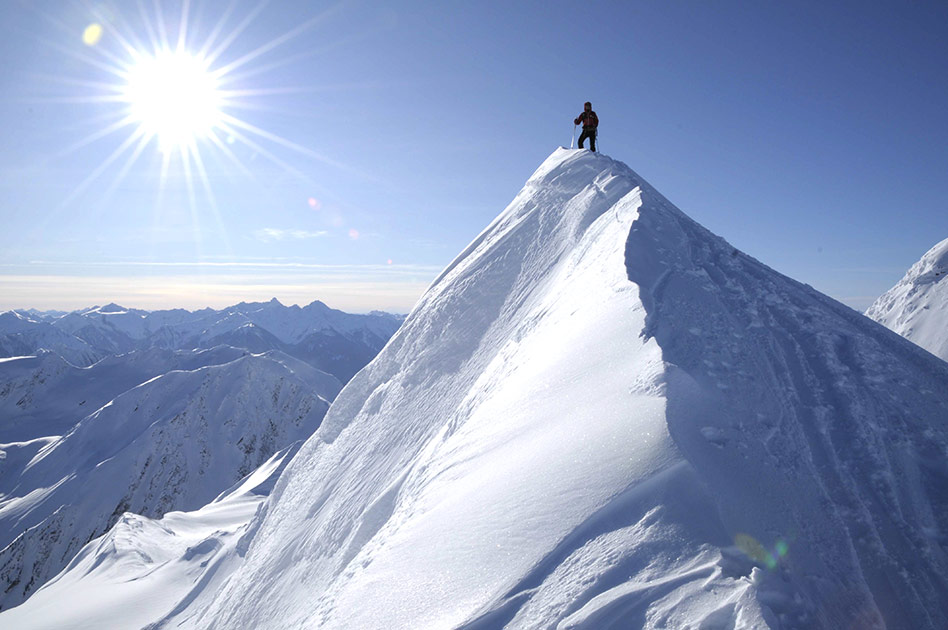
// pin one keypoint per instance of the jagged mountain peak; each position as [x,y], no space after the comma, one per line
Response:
[273,303]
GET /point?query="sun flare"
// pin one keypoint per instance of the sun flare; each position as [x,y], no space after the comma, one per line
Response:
[174,97]
[185,86]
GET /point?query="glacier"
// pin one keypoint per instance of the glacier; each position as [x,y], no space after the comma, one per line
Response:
[599,416]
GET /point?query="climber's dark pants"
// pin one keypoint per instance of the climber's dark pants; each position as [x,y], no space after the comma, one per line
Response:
[591,134]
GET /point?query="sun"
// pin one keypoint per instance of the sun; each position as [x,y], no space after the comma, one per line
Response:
[187,86]
[174,97]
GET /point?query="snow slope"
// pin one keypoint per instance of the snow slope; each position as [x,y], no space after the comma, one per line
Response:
[603,416]
[171,443]
[917,307]
[147,567]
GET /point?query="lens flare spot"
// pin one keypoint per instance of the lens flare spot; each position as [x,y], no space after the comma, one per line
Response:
[92,34]
[354,234]
[753,549]
[758,553]
[314,203]
[390,261]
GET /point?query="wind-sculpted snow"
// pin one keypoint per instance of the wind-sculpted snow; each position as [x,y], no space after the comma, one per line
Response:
[917,307]
[602,416]
[171,443]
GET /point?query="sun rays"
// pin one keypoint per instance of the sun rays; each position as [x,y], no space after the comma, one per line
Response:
[177,91]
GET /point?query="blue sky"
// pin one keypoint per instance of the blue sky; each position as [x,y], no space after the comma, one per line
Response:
[380,138]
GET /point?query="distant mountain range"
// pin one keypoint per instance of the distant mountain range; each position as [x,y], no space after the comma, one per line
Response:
[330,340]
[111,410]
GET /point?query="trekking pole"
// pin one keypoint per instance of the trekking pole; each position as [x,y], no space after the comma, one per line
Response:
[573,141]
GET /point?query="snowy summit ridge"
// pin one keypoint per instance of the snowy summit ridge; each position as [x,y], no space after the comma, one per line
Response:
[603,416]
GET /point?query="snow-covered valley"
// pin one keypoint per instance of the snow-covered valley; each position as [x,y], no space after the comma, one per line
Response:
[599,416]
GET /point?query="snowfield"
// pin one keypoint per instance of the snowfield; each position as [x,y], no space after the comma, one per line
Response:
[600,416]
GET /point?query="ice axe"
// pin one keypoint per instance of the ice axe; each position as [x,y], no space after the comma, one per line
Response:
[573,141]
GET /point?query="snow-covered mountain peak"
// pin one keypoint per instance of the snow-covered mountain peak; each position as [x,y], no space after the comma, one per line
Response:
[603,416]
[917,306]
[598,397]
[331,340]
[37,315]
